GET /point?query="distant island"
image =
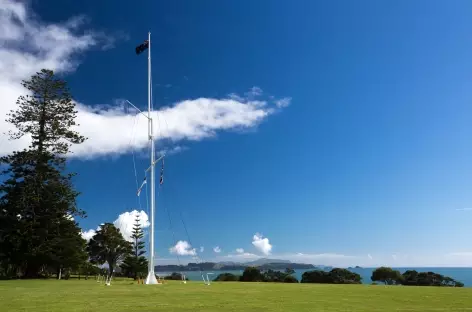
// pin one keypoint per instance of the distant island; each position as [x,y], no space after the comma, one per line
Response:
[262,264]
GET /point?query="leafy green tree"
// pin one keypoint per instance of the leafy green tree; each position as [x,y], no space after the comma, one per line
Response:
[37,196]
[386,275]
[108,246]
[410,278]
[88,269]
[135,265]
[252,274]
[70,249]
[414,278]
[335,276]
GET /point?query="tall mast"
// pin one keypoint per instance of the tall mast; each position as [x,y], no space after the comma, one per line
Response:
[151,278]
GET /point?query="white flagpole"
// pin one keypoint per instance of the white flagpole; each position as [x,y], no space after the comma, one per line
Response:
[151,278]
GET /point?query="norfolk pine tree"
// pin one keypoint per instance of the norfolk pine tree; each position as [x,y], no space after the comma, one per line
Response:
[37,197]
[135,264]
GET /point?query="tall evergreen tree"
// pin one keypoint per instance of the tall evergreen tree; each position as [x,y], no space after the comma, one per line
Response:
[37,197]
[135,264]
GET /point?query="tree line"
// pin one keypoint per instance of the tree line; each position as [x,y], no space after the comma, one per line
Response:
[386,275]
[39,236]
[389,276]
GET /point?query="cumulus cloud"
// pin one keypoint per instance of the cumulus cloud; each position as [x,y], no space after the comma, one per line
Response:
[183,248]
[239,250]
[87,235]
[125,222]
[28,45]
[217,249]
[262,244]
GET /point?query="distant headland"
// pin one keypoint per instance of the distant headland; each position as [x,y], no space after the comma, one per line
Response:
[262,264]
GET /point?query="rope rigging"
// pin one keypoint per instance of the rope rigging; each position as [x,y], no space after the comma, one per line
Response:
[161,181]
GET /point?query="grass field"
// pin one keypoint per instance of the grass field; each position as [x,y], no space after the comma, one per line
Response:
[82,295]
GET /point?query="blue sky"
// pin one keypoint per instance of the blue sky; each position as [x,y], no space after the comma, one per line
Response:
[367,162]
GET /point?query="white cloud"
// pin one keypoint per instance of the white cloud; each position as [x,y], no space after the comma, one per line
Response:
[262,244]
[394,257]
[202,248]
[183,248]
[125,222]
[369,256]
[217,249]
[28,45]
[239,250]
[281,103]
[87,235]
[464,209]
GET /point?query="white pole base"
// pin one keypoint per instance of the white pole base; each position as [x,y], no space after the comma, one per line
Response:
[151,279]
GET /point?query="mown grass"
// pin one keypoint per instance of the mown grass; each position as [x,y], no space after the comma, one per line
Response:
[121,296]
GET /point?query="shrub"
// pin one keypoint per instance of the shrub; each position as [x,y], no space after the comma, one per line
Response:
[290,279]
[227,277]
[175,277]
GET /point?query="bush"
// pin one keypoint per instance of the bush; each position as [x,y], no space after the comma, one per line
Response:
[290,279]
[175,277]
[227,277]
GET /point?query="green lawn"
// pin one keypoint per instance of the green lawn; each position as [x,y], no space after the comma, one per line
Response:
[82,295]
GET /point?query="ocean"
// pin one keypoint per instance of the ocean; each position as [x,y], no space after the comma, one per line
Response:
[463,275]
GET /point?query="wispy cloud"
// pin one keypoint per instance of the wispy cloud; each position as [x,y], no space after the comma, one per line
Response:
[461,254]
[463,209]
[202,249]
[369,256]
[239,250]
[217,249]
[254,92]
[28,45]
[281,103]
[240,257]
